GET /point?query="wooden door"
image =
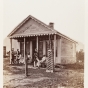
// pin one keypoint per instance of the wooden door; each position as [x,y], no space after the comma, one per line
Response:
[40,49]
[22,48]
[27,47]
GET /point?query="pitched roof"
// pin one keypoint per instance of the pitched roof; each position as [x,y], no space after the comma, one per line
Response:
[25,20]
[53,31]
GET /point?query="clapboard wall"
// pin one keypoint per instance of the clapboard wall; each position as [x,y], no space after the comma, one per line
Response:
[68,51]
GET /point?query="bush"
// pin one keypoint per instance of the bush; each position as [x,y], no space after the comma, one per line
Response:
[80,56]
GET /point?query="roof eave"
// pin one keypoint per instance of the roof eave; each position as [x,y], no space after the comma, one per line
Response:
[24,21]
[66,37]
[20,24]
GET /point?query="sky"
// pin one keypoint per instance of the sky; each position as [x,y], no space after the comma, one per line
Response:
[67,15]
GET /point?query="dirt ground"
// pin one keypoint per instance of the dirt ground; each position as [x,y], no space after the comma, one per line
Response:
[66,76]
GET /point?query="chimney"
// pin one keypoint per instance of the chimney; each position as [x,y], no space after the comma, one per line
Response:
[51,25]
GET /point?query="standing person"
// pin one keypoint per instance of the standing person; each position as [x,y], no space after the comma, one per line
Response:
[12,53]
[35,56]
[18,52]
[19,58]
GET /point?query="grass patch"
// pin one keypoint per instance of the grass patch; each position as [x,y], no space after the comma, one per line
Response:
[74,66]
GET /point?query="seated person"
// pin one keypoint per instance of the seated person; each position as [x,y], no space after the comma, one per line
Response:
[43,59]
[22,60]
[18,58]
[40,62]
[29,59]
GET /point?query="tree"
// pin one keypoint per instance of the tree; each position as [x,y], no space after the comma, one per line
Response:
[80,55]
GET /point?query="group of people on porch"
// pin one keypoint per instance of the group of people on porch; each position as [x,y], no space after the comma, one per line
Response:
[17,58]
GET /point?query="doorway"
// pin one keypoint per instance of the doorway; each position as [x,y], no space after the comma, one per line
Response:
[33,49]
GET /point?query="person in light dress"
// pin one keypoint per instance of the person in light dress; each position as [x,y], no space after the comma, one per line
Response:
[39,62]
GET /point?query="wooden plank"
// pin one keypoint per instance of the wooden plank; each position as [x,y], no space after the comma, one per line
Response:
[26,72]
[59,50]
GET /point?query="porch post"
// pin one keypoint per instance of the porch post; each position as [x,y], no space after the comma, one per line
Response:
[59,50]
[31,48]
[26,73]
[37,42]
[54,48]
[36,47]
[44,47]
[19,45]
[49,60]
[10,50]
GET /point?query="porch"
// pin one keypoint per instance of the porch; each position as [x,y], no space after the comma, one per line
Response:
[27,44]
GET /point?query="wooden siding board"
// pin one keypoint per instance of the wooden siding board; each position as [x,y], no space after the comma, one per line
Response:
[67,51]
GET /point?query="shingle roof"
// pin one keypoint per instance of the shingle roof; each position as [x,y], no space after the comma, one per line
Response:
[52,31]
[33,19]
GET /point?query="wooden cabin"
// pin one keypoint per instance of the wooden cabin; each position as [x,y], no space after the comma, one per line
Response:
[31,33]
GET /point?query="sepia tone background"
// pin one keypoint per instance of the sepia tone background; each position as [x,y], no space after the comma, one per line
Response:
[68,16]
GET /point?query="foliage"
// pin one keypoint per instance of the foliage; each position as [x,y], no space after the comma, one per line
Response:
[80,56]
